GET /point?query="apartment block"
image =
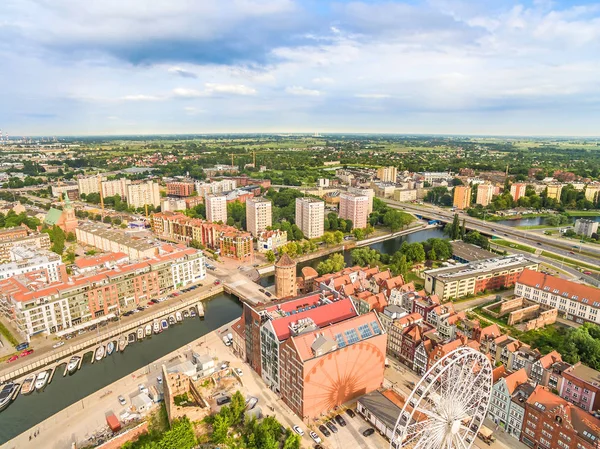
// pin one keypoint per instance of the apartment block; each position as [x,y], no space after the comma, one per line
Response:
[180,188]
[518,191]
[142,194]
[259,215]
[89,184]
[475,277]
[172,204]
[581,386]
[216,208]
[38,240]
[462,197]
[270,240]
[113,241]
[29,260]
[116,187]
[370,193]
[310,217]
[554,191]
[387,174]
[586,227]
[592,192]
[41,307]
[485,193]
[221,186]
[405,195]
[354,207]
[501,400]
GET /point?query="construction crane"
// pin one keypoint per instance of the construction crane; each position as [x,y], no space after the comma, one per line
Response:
[101,195]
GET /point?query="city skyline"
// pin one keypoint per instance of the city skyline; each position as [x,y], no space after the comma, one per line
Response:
[437,67]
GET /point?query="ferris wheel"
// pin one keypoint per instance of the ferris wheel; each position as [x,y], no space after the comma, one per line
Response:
[448,405]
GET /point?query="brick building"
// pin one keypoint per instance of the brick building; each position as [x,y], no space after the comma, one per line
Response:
[180,189]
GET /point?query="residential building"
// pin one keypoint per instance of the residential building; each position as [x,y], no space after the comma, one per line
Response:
[524,358]
[109,260]
[271,240]
[473,278]
[89,184]
[323,183]
[66,190]
[114,241]
[220,186]
[301,348]
[172,204]
[381,409]
[576,302]
[554,191]
[216,208]
[12,237]
[387,174]
[432,176]
[236,245]
[405,195]
[390,314]
[592,192]
[541,370]
[310,217]
[551,422]
[485,193]
[29,260]
[35,305]
[259,215]
[285,277]
[370,193]
[354,207]
[586,227]
[581,386]
[115,187]
[383,189]
[404,335]
[141,194]
[180,188]
[501,399]
[517,409]
[462,197]
[517,191]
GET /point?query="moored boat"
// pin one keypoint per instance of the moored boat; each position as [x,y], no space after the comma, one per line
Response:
[186,314]
[148,330]
[156,327]
[110,347]
[178,316]
[28,384]
[163,324]
[131,338]
[122,344]
[7,394]
[140,334]
[171,320]
[99,352]
[192,312]
[41,380]
[73,364]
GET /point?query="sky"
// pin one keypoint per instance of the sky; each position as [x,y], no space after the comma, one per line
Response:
[493,67]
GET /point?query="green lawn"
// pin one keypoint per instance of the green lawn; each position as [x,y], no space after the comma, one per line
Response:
[584,213]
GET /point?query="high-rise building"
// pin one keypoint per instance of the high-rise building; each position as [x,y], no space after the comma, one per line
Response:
[285,277]
[462,197]
[115,187]
[259,215]
[592,192]
[554,191]
[485,192]
[89,184]
[216,208]
[310,217]
[145,193]
[387,174]
[180,188]
[586,227]
[518,191]
[354,207]
[370,193]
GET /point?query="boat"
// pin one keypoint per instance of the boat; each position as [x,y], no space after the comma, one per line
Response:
[28,385]
[140,334]
[41,380]
[193,312]
[7,394]
[110,347]
[73,364]
[122,344]
[131,338]
[171,320]
[148,330]
[156,327]
[178,316]
[163,324]
[100,352]
[186,314]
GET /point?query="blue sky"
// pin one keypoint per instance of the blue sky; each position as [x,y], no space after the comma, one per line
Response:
[200,66]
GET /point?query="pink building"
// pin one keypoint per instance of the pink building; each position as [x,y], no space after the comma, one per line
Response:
[581,386]
[354,207]
[517,191]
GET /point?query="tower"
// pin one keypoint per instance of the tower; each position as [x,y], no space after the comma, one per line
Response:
[70,220]
[285,277]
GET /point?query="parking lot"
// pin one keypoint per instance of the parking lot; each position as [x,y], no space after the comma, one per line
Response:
[351,435]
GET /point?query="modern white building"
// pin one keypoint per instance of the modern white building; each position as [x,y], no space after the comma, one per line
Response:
[26,259]
[115,187]
[310,217]
[216,208]
[142,194]
[89,184]
[586,227]
[172,204]
[222,186]
[259,215]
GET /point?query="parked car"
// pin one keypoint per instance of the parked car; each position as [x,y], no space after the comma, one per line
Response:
[351,413]
[268,294]
[159,380]
[315,437]
[22,346]
[143,388]
[251,403]
[12,359]
[298,430]
[368,432]
[341,421]
[26,352]
[239,372]
[223,400]
[324,430]
[150,303]
[58,344]
[331,426]
[122,400]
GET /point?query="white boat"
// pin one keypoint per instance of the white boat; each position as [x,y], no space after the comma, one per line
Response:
[164,325]
[73,364]
[131,338]
[41,380]
[140,333]
[28,384]
[148,330]
[7,394]
[122,344]
[178,316]
[100,352]
[156,327]
[171,320]
[110,347]
[186,314]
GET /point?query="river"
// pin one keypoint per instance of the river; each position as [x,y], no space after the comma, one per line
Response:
[27,411]
[536,221]
[386,247]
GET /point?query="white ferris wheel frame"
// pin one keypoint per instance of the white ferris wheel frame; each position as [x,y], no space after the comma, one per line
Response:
[423,387]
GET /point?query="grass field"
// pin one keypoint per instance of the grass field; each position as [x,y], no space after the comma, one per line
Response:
[584,213]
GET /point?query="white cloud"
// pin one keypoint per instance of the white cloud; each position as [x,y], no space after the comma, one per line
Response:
[234,89]
[140,97]
[373,96]
[299,90]
[181,92]
[323,80]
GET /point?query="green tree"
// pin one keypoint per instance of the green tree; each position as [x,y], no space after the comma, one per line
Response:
[432,254]
[396,220]
[328,238]
[238,405]
[338,237]
[365,256]
[333,264]
[359,234]
[414,252]
[270,255]
[292,442]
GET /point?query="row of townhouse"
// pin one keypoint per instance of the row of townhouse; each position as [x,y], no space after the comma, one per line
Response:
[37,303]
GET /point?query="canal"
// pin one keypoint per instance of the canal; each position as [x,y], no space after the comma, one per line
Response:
[386,247]
[536,221]
[27,411]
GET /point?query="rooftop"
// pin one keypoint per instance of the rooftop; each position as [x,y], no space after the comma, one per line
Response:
[469,252]
[579,292]
[463,271]
[584,373]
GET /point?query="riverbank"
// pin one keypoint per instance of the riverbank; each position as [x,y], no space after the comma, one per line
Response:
[584,213]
